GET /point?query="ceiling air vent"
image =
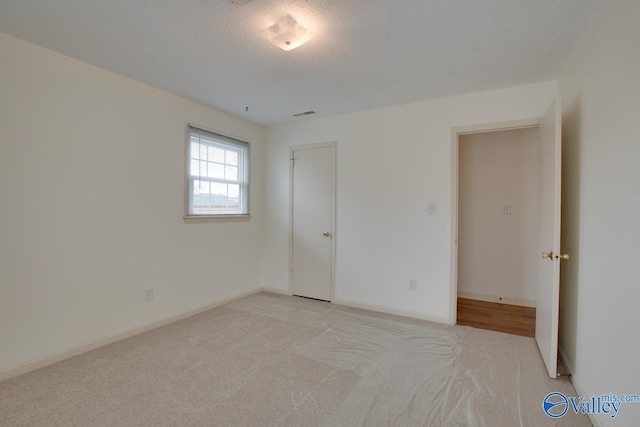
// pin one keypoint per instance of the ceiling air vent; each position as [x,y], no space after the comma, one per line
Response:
[306,113]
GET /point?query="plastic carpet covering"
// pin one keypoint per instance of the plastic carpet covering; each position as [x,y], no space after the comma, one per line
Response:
[414,373]
[272,360]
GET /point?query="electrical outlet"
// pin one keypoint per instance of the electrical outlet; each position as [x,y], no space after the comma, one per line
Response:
[413,284]
[148,295]
[506,210]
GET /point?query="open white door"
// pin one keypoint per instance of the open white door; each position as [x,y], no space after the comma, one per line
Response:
[312,207]
[548,299]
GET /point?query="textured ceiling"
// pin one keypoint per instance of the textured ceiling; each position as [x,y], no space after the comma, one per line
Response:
[367,53]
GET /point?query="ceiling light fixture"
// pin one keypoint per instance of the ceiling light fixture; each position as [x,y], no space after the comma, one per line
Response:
[287,34]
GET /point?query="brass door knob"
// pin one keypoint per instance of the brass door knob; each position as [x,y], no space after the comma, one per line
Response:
[547,255]
[326,234]
[563,256]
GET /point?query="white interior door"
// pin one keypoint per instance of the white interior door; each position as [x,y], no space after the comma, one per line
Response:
[312,195]
[548,298]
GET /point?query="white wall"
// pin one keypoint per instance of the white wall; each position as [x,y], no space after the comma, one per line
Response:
[497,253]
[391,163]
[601,203]
[91,206]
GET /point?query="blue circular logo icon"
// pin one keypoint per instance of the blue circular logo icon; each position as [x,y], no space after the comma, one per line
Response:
[555,404]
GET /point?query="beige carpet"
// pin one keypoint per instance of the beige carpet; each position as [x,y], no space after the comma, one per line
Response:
[271,360]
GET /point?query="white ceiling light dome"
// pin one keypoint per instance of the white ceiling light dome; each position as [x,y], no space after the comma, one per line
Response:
[287,33]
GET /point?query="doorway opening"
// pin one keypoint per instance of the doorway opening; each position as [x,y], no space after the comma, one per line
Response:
[498,179]
[549,158]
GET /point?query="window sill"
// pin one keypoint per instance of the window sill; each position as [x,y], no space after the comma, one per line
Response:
[194,219]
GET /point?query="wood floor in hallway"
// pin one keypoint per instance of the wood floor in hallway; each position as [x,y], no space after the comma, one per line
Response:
[512,319]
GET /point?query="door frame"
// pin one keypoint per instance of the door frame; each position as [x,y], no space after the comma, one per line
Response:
[292,149]
[456,132]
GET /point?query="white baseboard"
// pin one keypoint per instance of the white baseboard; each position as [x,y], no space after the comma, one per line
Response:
[565,360]
[59,356]
[397,312]
[494,298]
[275,291]
[580,391]
[370,307]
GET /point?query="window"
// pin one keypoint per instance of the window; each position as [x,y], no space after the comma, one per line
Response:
[217,169]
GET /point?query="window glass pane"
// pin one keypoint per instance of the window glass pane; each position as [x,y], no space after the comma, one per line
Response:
[203,152]
[194,168]
[216,155]
[219,189]
[233,205]
[200,187]
[232,158]
[234,190]
[202,171]
[231,173]
[216,170]
[195,150]
[201,198]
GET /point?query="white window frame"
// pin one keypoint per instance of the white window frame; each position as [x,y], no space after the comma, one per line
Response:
[217,140]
